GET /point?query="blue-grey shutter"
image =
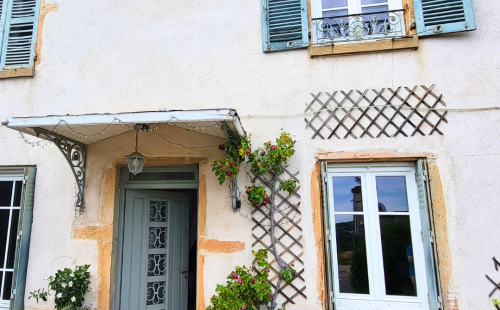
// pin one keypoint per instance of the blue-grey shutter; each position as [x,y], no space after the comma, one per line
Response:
[19,37]
[23,239]
[284,25]
[444,16]
[3,4]
[328,234]
[428,237]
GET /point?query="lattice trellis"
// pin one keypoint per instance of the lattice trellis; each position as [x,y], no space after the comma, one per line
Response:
[288,232]
[375,113]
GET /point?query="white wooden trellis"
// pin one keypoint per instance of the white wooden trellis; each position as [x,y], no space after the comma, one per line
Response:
[288,233]
[375,113]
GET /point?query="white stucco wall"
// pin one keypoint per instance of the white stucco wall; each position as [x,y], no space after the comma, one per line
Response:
[107,57]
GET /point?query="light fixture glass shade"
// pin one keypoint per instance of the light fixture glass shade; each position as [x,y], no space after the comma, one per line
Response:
[135,162]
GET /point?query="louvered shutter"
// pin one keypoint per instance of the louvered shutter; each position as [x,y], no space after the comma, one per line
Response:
[444,16]
[19,38]
[3,4]
[23,240]
[428,236]
[284,25]
[328,233]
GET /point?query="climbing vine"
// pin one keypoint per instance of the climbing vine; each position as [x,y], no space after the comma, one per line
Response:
[267,160]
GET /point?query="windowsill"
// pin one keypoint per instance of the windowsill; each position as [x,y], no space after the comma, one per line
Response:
[363,47]
[17,73]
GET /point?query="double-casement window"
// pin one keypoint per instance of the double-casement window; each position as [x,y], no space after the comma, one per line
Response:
[18,29]
[285,23]
[379,226]
[16,214]
[356,20]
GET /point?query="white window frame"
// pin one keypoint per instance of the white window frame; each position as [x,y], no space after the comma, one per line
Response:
[354,7]
[5,304]
[377,297]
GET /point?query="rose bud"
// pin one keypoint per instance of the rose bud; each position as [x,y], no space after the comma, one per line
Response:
[244,307]
[248,191]
[262,153]
[221,147]
[271,295]
[292,265]
[231,163]
[264,203]
[268,270]
[256,203]
[248,152]
[270,167]
[220,166]
[240,281]
[253,281]
[234,275]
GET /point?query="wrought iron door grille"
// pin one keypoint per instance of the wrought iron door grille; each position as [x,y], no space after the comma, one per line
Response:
[288,234]
[374,113]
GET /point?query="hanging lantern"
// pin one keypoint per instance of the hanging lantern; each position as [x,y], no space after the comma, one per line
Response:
[136,160]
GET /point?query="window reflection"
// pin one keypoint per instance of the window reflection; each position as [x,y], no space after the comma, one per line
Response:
[397,251]
[391,194]
[347,195]
[351,254]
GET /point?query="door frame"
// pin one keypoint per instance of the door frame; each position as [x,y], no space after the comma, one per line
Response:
[125,184]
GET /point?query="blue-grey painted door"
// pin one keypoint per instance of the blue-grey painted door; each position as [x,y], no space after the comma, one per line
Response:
[154,267]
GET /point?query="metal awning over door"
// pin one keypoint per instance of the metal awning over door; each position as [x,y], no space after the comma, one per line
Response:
[73,133]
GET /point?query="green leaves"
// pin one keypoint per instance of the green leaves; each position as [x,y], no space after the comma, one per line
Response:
[69,286]
[235,153]
[288,186]
[246,288]
[288,275]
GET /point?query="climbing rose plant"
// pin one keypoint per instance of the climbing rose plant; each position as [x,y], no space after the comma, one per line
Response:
[270,159]
[235,152]
[68,288]
[246,288]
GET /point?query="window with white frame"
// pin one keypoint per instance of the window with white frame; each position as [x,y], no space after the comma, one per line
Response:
[377,253]
[356,20]
[10,205]
[17,187]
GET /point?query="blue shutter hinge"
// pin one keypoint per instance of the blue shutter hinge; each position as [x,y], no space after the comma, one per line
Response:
[440,302]
[19,235]
[333,297]
[329,236]
[13,295]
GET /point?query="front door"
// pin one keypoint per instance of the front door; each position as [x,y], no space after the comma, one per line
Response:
[154,251]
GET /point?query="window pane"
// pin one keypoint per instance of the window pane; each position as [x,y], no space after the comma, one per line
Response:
[12,243]
[7,286]
[17,194]
[347,194]
[397,251]
[4,226]
[351,254]
[378,8]
[335,13]
[163,176]
[391,194]
[5,193]
[328,4]
[365,2]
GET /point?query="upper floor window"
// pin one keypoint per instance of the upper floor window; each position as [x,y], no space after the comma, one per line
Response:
[18,32]
[356,20]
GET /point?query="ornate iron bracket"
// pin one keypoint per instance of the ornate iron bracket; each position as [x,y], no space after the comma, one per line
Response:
[76,154]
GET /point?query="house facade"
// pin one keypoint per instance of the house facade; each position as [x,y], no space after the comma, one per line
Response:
[392,105]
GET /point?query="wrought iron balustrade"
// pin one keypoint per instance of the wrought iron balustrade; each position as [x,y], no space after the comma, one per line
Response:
[359,27]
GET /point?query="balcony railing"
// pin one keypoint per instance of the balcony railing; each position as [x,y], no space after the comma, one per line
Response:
[358,27]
